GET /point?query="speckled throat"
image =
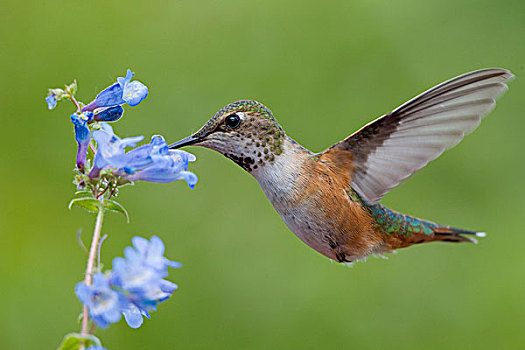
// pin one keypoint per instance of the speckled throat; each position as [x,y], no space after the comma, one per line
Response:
[261,142]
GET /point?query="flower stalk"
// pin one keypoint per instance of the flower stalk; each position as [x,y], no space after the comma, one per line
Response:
[91,263]
[75,102]
[136,284]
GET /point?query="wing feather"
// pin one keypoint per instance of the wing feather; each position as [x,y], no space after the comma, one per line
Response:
[394,146]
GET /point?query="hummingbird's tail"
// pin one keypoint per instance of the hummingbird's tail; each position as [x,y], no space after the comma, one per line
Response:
[451,234]
[402,230]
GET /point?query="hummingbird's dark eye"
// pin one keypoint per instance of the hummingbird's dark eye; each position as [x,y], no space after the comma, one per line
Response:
[232,121]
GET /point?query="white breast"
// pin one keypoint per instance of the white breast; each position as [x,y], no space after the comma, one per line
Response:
[279,181]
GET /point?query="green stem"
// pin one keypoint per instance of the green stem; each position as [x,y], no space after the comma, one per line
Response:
[91,263]
[75,102]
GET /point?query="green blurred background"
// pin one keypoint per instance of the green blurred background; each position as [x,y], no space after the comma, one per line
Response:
[325,68]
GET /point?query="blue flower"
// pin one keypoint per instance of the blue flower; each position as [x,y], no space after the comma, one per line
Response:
[133,276]
[51,101]
[153,162]
[103,303]
[53,96]
[133,92]
[123,91]
[109,114]
[111,149]
[139,284]
[96,347]
[157,163]
[111,96]
[134,287]
[139,275]
[170,167]
[82,135]
[144,156]
[151,253]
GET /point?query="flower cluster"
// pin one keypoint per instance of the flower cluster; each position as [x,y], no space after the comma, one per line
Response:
[136,284]
[133,288]
[107,107]
[153,162]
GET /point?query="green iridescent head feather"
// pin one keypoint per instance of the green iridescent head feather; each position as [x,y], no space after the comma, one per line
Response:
[249,106]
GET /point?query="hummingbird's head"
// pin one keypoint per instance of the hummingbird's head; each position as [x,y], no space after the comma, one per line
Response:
[244,131]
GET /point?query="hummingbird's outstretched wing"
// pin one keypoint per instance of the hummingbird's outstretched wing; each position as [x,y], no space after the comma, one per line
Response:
[394,146]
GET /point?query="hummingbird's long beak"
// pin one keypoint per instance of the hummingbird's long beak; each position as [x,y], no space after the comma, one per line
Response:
[190,140]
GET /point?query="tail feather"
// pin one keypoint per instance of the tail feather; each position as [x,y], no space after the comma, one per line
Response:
[404,230]
[451,234]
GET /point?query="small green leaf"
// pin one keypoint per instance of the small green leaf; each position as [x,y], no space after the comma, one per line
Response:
[90,204]
[83,192]
[73,341]
[116,207]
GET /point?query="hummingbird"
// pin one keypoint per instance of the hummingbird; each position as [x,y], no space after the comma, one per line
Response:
[330,200]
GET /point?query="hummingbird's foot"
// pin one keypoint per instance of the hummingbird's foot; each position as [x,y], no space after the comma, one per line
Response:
[341,257]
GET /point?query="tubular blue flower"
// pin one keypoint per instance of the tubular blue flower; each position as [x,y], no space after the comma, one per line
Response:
[139,275]
[103,303]
[96,347]
[153,162]
[111,149]
[161,165]
[110,114]
[143,156]
[123,91]
[110,96]
[168,168]
[82,136]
